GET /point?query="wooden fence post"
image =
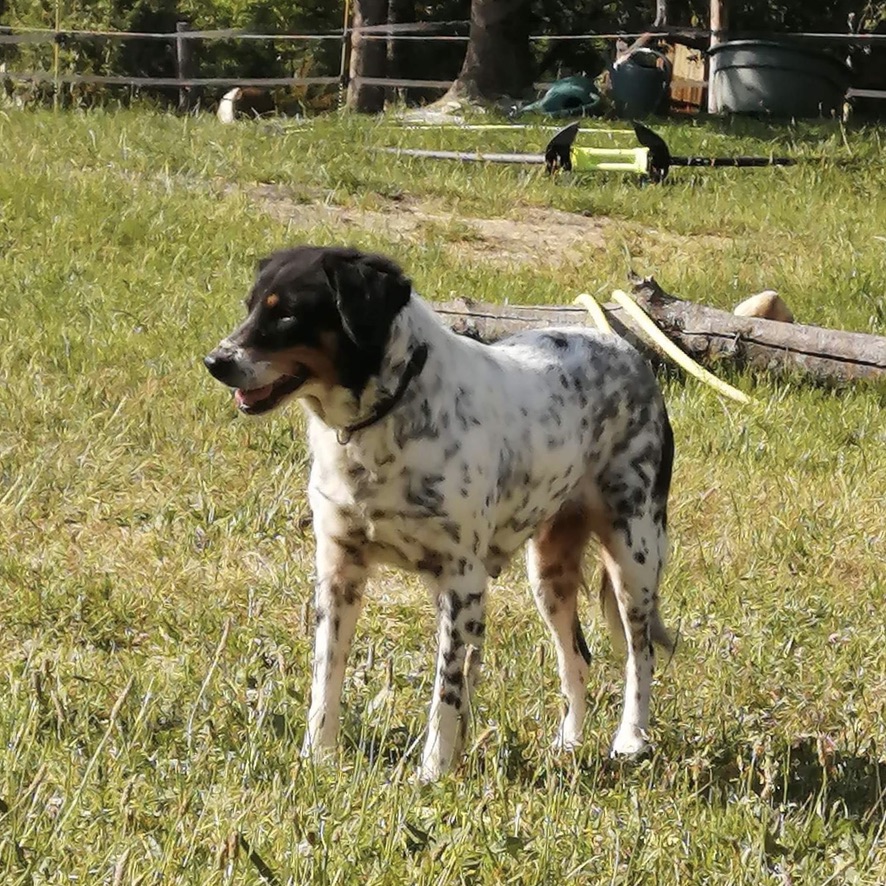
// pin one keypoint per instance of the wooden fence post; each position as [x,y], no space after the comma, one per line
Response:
[719,23]
[368,58]
[183,67]
[398,11]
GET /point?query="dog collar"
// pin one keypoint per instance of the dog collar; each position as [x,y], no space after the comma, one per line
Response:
[387,404]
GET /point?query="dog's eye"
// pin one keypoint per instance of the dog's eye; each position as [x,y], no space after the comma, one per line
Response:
[285,323]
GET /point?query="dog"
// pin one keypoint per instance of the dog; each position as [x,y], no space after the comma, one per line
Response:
[444,456]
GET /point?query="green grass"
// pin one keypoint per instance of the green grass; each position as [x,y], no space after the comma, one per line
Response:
[155,566]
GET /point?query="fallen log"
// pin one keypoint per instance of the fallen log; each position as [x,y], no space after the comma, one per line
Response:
[707,334]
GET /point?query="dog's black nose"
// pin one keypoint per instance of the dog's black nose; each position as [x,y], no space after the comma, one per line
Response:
[218,365]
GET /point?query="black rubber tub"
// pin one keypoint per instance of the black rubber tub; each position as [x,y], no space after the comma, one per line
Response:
[779,79]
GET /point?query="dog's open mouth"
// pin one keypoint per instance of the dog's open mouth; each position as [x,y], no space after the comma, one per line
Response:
[263,399]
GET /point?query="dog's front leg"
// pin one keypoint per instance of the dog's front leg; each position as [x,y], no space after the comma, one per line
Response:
[461,624]
[341,576]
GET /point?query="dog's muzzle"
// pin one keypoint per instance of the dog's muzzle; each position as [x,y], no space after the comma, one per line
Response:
[222,365]
[252,394]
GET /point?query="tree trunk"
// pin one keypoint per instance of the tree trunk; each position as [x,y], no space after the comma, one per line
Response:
[708,335]
[498,62]
[368,58]
[399,11]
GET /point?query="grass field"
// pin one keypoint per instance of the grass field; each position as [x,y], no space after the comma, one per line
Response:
[155,561]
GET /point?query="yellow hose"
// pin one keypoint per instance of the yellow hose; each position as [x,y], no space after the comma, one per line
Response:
[666,346]
[589,303]
[659,339]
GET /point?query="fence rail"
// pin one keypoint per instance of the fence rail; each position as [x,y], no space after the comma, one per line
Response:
[9,34]
[175,82]
[409,31]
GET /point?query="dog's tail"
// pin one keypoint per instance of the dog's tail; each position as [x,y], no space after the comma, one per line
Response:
[658,633]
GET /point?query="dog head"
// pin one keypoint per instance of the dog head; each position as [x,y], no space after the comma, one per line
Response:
[316,316]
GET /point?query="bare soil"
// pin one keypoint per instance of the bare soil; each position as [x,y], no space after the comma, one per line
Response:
[531,235]
[534,235]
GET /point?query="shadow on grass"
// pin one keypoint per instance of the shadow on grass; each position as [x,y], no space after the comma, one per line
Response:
[806,771]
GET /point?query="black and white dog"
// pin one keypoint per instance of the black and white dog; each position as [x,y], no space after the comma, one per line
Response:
[444,456]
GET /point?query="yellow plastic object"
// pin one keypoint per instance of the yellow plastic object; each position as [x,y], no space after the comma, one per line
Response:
[610,159]
[666,346]
[589,303]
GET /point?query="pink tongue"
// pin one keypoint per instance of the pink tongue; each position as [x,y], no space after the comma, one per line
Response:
[250,398]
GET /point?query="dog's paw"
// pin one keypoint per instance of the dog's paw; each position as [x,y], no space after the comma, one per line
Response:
[432,769]
[427,774]
[630,744]
[434,766]
[316,751]
[566,741]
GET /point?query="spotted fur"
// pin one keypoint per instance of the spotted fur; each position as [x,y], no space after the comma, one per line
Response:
[538,441]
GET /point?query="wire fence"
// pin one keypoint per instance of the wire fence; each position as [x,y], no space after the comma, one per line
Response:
[186,78]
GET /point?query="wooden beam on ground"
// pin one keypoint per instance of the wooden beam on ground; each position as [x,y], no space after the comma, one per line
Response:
[707,334]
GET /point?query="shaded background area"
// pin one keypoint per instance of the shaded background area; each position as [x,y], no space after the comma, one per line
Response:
[414,59]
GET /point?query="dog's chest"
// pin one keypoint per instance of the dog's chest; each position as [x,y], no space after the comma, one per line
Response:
[405,506]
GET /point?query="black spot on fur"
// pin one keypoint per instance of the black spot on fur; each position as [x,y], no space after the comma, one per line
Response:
[350,593]
[476,628]
[665,468]
[452,529]
[453,699]
[353,550]
[579,643]
[456,678]
[505,467]
[422,491]
[452,450]
[430,562]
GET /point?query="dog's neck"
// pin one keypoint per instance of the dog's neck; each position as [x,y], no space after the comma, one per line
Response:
[413,330]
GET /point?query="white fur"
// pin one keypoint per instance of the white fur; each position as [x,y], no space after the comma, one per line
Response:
[487,444]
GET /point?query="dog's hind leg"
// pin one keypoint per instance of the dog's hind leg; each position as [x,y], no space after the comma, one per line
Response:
[341,576]
[633,554]
[461,602]
[553,561]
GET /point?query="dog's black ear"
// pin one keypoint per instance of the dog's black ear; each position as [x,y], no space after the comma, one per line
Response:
[370,290]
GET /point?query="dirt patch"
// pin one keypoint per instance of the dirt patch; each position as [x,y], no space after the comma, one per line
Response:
[530,236]
[533,236]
